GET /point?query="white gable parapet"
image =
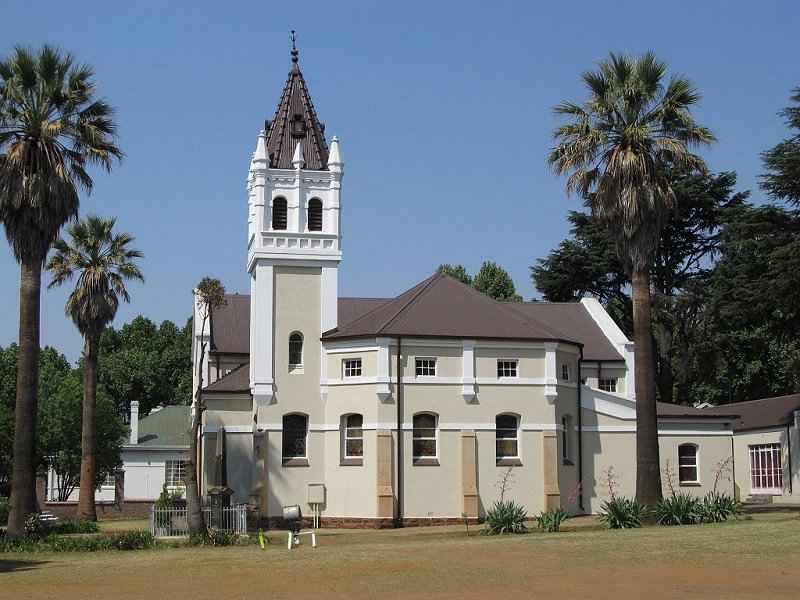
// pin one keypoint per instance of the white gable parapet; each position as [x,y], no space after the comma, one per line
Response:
[615,335]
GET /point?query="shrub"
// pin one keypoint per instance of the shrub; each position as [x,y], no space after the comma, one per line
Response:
[716,507]
[35,527]
[4,510]
[129,540]
[74,526]
[133,540]
[622,513]
[679,509]
[505,517]
[217,537]
[551,520]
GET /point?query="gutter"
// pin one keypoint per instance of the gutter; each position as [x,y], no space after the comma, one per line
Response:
[580,435]
[398,522]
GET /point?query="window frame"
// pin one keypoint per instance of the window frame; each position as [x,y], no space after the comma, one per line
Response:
[694,465]
[507,459]
[294,459]
[345,427]
[774,474]
[503,363]
[566,372]
[600,381]
[418,367]
[181,470]
[293,366]
[425,459]
[316,202]
[285,210]
[352,370]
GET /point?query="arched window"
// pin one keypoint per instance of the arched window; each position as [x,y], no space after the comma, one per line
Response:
[425,436]
[687,464]
[295,434]
[352,436]
[506,443]
[315,214]
[295,350]
[279,218]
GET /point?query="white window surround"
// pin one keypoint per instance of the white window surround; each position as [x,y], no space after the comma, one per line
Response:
[424,366]
[352,432]
[351,368]
[688,460]
[766,468]
[425,438]
[507,368]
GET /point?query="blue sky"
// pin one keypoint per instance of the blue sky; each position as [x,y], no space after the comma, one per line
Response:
[443,110]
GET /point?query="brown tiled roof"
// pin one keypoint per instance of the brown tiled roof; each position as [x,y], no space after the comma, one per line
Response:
[237,381]
[230,325]
[573,321]
[295,107]
[666,410]
[764,413]
[442,306]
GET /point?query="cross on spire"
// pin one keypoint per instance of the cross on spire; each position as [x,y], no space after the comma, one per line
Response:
[294,52]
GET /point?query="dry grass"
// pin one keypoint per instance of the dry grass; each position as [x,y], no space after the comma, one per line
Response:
[749,559]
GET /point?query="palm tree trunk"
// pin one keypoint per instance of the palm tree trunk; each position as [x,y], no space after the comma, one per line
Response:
[648,468]
[86,506]
[23,480]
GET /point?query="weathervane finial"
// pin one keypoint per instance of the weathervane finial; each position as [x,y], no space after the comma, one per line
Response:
[295,53]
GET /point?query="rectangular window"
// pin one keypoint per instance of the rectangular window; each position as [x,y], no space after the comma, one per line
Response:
[506,368]
[566,426]
[175,473]
[295,433]
[766,468]
[607,384]
[687,464]
[425,367]
[506,444]
[353,436]
[351,367]
[424,436]
[565,372]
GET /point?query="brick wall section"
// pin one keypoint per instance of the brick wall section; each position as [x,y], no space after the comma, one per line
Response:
[128,509]
[356,523]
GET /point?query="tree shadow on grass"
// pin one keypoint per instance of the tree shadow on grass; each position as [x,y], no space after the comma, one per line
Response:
[11,566]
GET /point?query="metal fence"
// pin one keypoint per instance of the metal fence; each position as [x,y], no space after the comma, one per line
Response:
[174,522]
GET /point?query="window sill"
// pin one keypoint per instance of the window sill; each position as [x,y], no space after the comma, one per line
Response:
[690,484]
[295,462]
[426,462]
[508,462]
[351,462]
[296,369]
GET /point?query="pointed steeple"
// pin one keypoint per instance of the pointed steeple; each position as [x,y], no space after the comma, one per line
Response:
[334,159]
[296,120]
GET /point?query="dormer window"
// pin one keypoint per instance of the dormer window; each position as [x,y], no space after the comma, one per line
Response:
[298,126]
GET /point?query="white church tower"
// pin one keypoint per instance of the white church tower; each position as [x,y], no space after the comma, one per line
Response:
[294,250]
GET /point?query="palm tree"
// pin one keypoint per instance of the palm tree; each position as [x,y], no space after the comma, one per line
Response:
[618,147]
[52,128]
[102,261]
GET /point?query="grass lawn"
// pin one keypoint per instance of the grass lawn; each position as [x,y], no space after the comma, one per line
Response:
[753,558]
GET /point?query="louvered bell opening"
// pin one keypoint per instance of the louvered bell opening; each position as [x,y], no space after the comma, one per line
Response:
[279,219]
[315,215]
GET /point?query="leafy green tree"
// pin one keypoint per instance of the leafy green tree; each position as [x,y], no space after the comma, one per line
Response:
[60,440]
[456,272]
[494,281]
[782,162]
[102,261]
[618,148]
[51,130]
[146,362]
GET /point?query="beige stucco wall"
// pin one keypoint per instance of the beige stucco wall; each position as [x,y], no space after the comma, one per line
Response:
[530,365]
[791,465]
[336,360]
[714,454]
[448,360]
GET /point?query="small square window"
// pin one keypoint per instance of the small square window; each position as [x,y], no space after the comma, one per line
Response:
[425,367]
[351,367]
[565,372]
[506,368]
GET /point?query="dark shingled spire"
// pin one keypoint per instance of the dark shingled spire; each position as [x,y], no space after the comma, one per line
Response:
[296,120]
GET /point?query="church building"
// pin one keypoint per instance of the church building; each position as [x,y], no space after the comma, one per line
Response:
[422,408]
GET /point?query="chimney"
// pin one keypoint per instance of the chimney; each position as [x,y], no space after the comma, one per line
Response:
[134,422]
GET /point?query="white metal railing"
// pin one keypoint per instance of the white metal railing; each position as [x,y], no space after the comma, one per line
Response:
[174,522]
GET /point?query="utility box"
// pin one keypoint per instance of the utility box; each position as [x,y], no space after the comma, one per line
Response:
[316,493]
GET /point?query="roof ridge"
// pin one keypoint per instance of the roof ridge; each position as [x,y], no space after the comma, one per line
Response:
[425,286]
[753,400]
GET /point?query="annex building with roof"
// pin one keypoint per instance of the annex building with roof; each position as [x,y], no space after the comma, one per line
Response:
[389,411]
